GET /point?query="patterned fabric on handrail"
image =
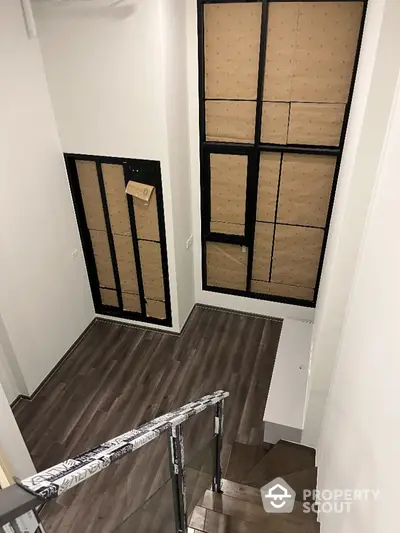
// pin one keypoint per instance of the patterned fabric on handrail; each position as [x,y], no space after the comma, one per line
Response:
[57,479]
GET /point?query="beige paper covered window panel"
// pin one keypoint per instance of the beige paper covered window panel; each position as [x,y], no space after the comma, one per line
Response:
[227,228]
[146,218]
[268,179]
[155,309]
[230,121]
[102,257]
[228,188]
[126,263]
[109,297]
[311,50]
[297,252]
[231,50]
[91,197]
[274,122]
[131,302]
[305,189]
[114,184]
[285,291]
[153,280]
[264,235]
[227,265]
[317,124]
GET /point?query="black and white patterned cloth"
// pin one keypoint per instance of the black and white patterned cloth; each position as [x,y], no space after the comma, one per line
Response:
[52,482]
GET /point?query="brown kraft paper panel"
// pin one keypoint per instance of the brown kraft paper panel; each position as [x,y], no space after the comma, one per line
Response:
[109,297]
[327,37]
[114,183]
[305,189]
[231,50]
[146,218]
[281,45]
[297,252]
[278,289]
[263,238]
[126,263]
[90,191]
[274,125]
[227,228]
[226,265]
[268,185]
[131,302]
[319,124]
[153,281]
[155,309]
[228,188]
[229,121]
[102,256]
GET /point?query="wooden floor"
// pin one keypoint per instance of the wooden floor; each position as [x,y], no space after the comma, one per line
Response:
[119,377]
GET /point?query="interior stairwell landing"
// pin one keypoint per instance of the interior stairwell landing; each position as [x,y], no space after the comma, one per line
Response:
[239,509]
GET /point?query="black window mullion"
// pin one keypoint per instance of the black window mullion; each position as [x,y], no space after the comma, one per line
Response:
[109,233]
[254,163]
[135,245]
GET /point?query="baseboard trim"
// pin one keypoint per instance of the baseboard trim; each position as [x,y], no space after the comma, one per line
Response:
[38,389]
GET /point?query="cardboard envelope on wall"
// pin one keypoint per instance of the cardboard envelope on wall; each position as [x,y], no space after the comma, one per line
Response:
[139,190]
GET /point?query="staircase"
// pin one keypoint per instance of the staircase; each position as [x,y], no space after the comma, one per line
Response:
[239,508]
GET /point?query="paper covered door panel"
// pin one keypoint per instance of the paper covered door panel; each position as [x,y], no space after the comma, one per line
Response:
[146,218]
[227,265]
[274,125]
[231,50]
[264,235]
[155,309]
[102,257]
[285,291]
[91,197]
[327,37]
[126,263]
[316,124]
[297,252]
[305,189]
[230,121]
[109,297]
[114,184]
[268,186]
[152,273]
[228,188]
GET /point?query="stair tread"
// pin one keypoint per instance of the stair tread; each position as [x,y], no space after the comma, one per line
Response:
[197,519]
[284,458]
[222,523]
[242,459]
[302,480]
[251,512]
[241,492]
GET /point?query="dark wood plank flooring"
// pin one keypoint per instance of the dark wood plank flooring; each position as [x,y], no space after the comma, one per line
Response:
[119,377]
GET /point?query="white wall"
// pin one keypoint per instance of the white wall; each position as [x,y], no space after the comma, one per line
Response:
[45,301]
[247,305]
[361,431]
[377,75]
[111,73]
[12,446]
[173,47]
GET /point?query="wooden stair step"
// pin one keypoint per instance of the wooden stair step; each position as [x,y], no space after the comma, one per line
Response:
[283,523]
[284,458]
[197,519]
[251,512]
[241,492]
[302,480]
[242,459]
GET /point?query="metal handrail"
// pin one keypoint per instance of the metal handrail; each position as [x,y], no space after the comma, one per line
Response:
[56,480]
